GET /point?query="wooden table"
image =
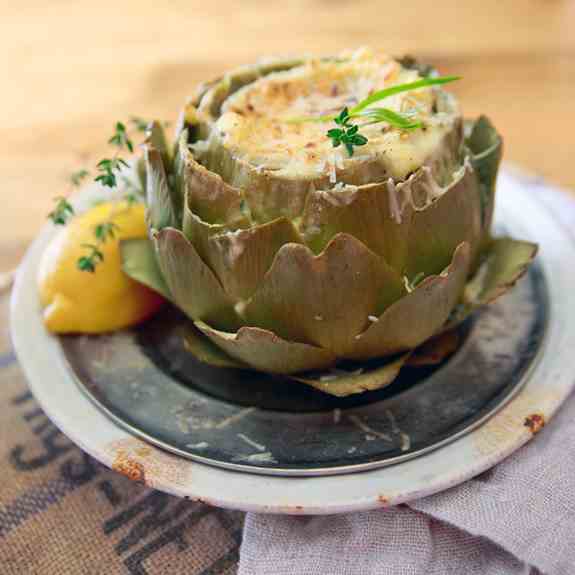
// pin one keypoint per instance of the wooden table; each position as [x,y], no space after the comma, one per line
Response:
[71,69]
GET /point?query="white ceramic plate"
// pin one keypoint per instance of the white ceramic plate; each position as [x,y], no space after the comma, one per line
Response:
[524,213]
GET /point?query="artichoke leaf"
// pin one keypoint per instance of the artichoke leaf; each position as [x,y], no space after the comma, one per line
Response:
[417,316]
[437,230]
[139,263]
[269,194]
[420,239]
[411,63]
[239,258]
[324,300]
[156,138]
[140,173]
[436,350]
[201,90]
[207,194]
[486,148]
[341,383]
[161,208]
[506,260]
[265,351]
[179,166]
[205,351]
[194,287]
[189,121]
[361,212]
[210,102]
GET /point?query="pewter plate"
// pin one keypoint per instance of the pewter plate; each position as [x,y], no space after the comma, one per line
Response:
[505,382]
[147,382]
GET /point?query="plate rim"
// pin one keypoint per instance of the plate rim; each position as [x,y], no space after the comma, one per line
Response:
[42,359]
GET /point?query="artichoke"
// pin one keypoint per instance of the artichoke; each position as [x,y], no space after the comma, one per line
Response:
[290,256]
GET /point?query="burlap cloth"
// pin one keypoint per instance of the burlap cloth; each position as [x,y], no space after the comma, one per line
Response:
[63,513]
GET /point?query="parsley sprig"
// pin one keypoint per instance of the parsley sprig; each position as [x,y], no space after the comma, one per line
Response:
[108,171]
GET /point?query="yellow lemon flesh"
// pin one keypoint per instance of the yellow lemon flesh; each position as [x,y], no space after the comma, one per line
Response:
[76,301]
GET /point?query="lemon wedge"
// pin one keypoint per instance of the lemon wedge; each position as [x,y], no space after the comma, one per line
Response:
[76,301]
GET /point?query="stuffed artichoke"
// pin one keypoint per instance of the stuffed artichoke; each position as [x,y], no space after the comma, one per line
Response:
[291,253]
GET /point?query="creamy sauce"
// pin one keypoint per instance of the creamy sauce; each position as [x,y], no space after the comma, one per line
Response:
[257,125]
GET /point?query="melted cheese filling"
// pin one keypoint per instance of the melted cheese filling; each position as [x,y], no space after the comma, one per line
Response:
[256,123]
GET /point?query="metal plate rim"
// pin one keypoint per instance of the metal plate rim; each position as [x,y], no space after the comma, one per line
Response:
[320,471]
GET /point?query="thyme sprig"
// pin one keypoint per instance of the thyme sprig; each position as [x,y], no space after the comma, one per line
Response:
[347,134]
[89,262]
[108,170]
[76,178]
[63,209]
[102,232]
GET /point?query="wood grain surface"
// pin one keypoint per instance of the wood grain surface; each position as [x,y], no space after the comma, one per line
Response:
[70,69]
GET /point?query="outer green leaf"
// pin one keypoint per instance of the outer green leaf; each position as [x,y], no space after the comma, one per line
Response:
[341,384]
[140,263]
[265,351]
[436,231]
[208,196]
[162,209]
[195,289]
[412,63]
[156,138]
[269,194]
[205,351]
[211,103]
[179,166]
[422,241]
[239,258]
[189,120]
[140,173]
[506,260]
[325,300]
[486,147]
[416,317]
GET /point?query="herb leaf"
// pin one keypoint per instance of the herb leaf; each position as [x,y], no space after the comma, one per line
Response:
[108,168]
[120,138]
[392,118]
[398,89]
[62,211]
[105,230]
[88,262]
[76,178]
[347,134]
